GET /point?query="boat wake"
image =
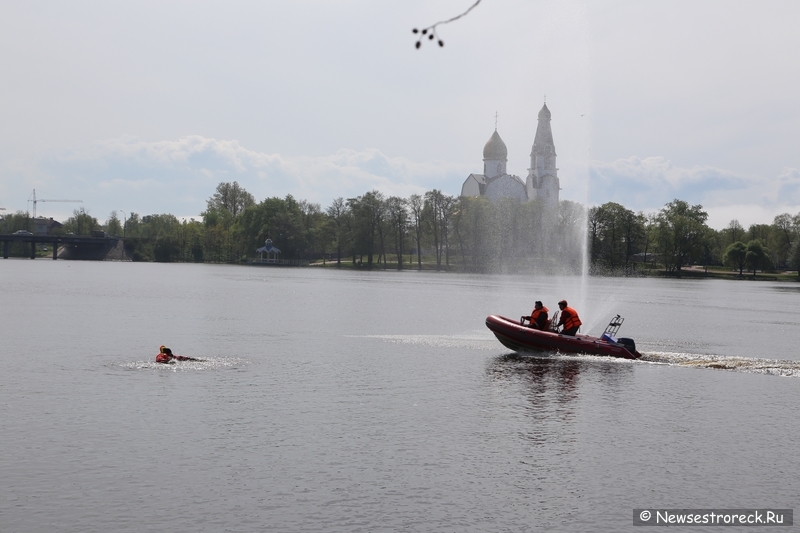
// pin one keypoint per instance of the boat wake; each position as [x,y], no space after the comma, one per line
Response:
[478,341]
[753,365]
[207,363]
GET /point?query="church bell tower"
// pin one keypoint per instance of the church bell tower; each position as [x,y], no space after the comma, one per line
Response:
[542,182]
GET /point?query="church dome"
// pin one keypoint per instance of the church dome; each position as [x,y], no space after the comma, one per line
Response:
[495,149]
[544,113]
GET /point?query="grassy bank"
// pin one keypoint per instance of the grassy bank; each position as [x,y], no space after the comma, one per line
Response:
[686,273]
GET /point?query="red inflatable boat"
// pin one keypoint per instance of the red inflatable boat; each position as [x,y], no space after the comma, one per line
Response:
[521,338]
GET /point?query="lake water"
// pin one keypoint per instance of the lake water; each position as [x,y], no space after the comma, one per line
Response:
[343,401]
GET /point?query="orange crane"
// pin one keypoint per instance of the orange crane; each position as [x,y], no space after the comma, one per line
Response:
[45,200]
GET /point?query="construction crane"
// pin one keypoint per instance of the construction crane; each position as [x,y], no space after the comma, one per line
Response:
[45,200]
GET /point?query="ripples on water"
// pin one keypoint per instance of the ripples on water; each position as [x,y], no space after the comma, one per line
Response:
[360,402]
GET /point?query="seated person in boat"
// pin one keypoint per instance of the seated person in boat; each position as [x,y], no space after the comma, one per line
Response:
[165,356]
[538,318]
[569,319]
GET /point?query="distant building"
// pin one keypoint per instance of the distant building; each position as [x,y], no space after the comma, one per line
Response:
[542,182]
[271,251]
[45,226]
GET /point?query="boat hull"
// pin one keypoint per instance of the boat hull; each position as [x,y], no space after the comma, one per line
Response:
[524,339]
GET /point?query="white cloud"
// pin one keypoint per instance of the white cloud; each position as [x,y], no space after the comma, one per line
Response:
[177,176]
[649,183]
[789,186]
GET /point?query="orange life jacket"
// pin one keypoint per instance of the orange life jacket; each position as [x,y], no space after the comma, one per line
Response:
[569,317]
[163,358]
[535,316]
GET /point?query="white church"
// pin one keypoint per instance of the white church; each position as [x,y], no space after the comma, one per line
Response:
[542,182]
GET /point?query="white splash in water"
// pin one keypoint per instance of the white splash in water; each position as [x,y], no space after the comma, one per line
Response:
[205,363]
[753,365]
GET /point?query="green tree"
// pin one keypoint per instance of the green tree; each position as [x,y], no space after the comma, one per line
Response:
[650,234]
[81,223]
[167,249]
[785,231]
[132,226]
[337,212]
[734,232]
[158,226]
[760,232]
[439,207]
[616,234]
[190,241]
[793,257]
[398,217]
[757,256]
[681,229]
[314,226]
[735,255]
[12,222]
[417,205]
[231,197]
[278,219]
[113,224]
[368,212]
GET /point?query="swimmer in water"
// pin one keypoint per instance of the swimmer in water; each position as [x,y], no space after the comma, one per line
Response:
[165,356]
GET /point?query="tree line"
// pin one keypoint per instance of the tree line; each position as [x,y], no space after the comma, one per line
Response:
[677,236]
[438,231]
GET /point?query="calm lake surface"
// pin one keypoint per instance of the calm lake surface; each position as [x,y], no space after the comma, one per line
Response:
[342,401]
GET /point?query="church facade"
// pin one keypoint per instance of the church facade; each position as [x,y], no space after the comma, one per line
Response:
[542,180]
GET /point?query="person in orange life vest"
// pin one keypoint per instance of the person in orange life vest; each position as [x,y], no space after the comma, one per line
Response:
[538,318]
[569,319]
[165,356]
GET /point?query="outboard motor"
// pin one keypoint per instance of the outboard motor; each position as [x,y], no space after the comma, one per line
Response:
[627,343]
[610,334]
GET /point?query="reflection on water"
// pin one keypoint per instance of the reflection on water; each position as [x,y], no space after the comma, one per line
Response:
[786,288]
[545,377]
[549,391]
[556,377]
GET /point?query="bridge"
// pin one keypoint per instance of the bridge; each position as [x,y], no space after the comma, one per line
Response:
[55,240]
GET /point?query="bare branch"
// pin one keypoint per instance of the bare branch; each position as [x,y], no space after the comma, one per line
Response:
[430,31]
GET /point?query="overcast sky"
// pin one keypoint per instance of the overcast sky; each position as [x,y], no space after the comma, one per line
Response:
[146,106]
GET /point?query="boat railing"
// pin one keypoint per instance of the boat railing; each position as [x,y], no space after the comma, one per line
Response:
[554,322]
[613,327]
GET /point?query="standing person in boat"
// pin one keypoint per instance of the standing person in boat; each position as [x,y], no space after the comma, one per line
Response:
[569,319]
[165,356]
[538,318]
